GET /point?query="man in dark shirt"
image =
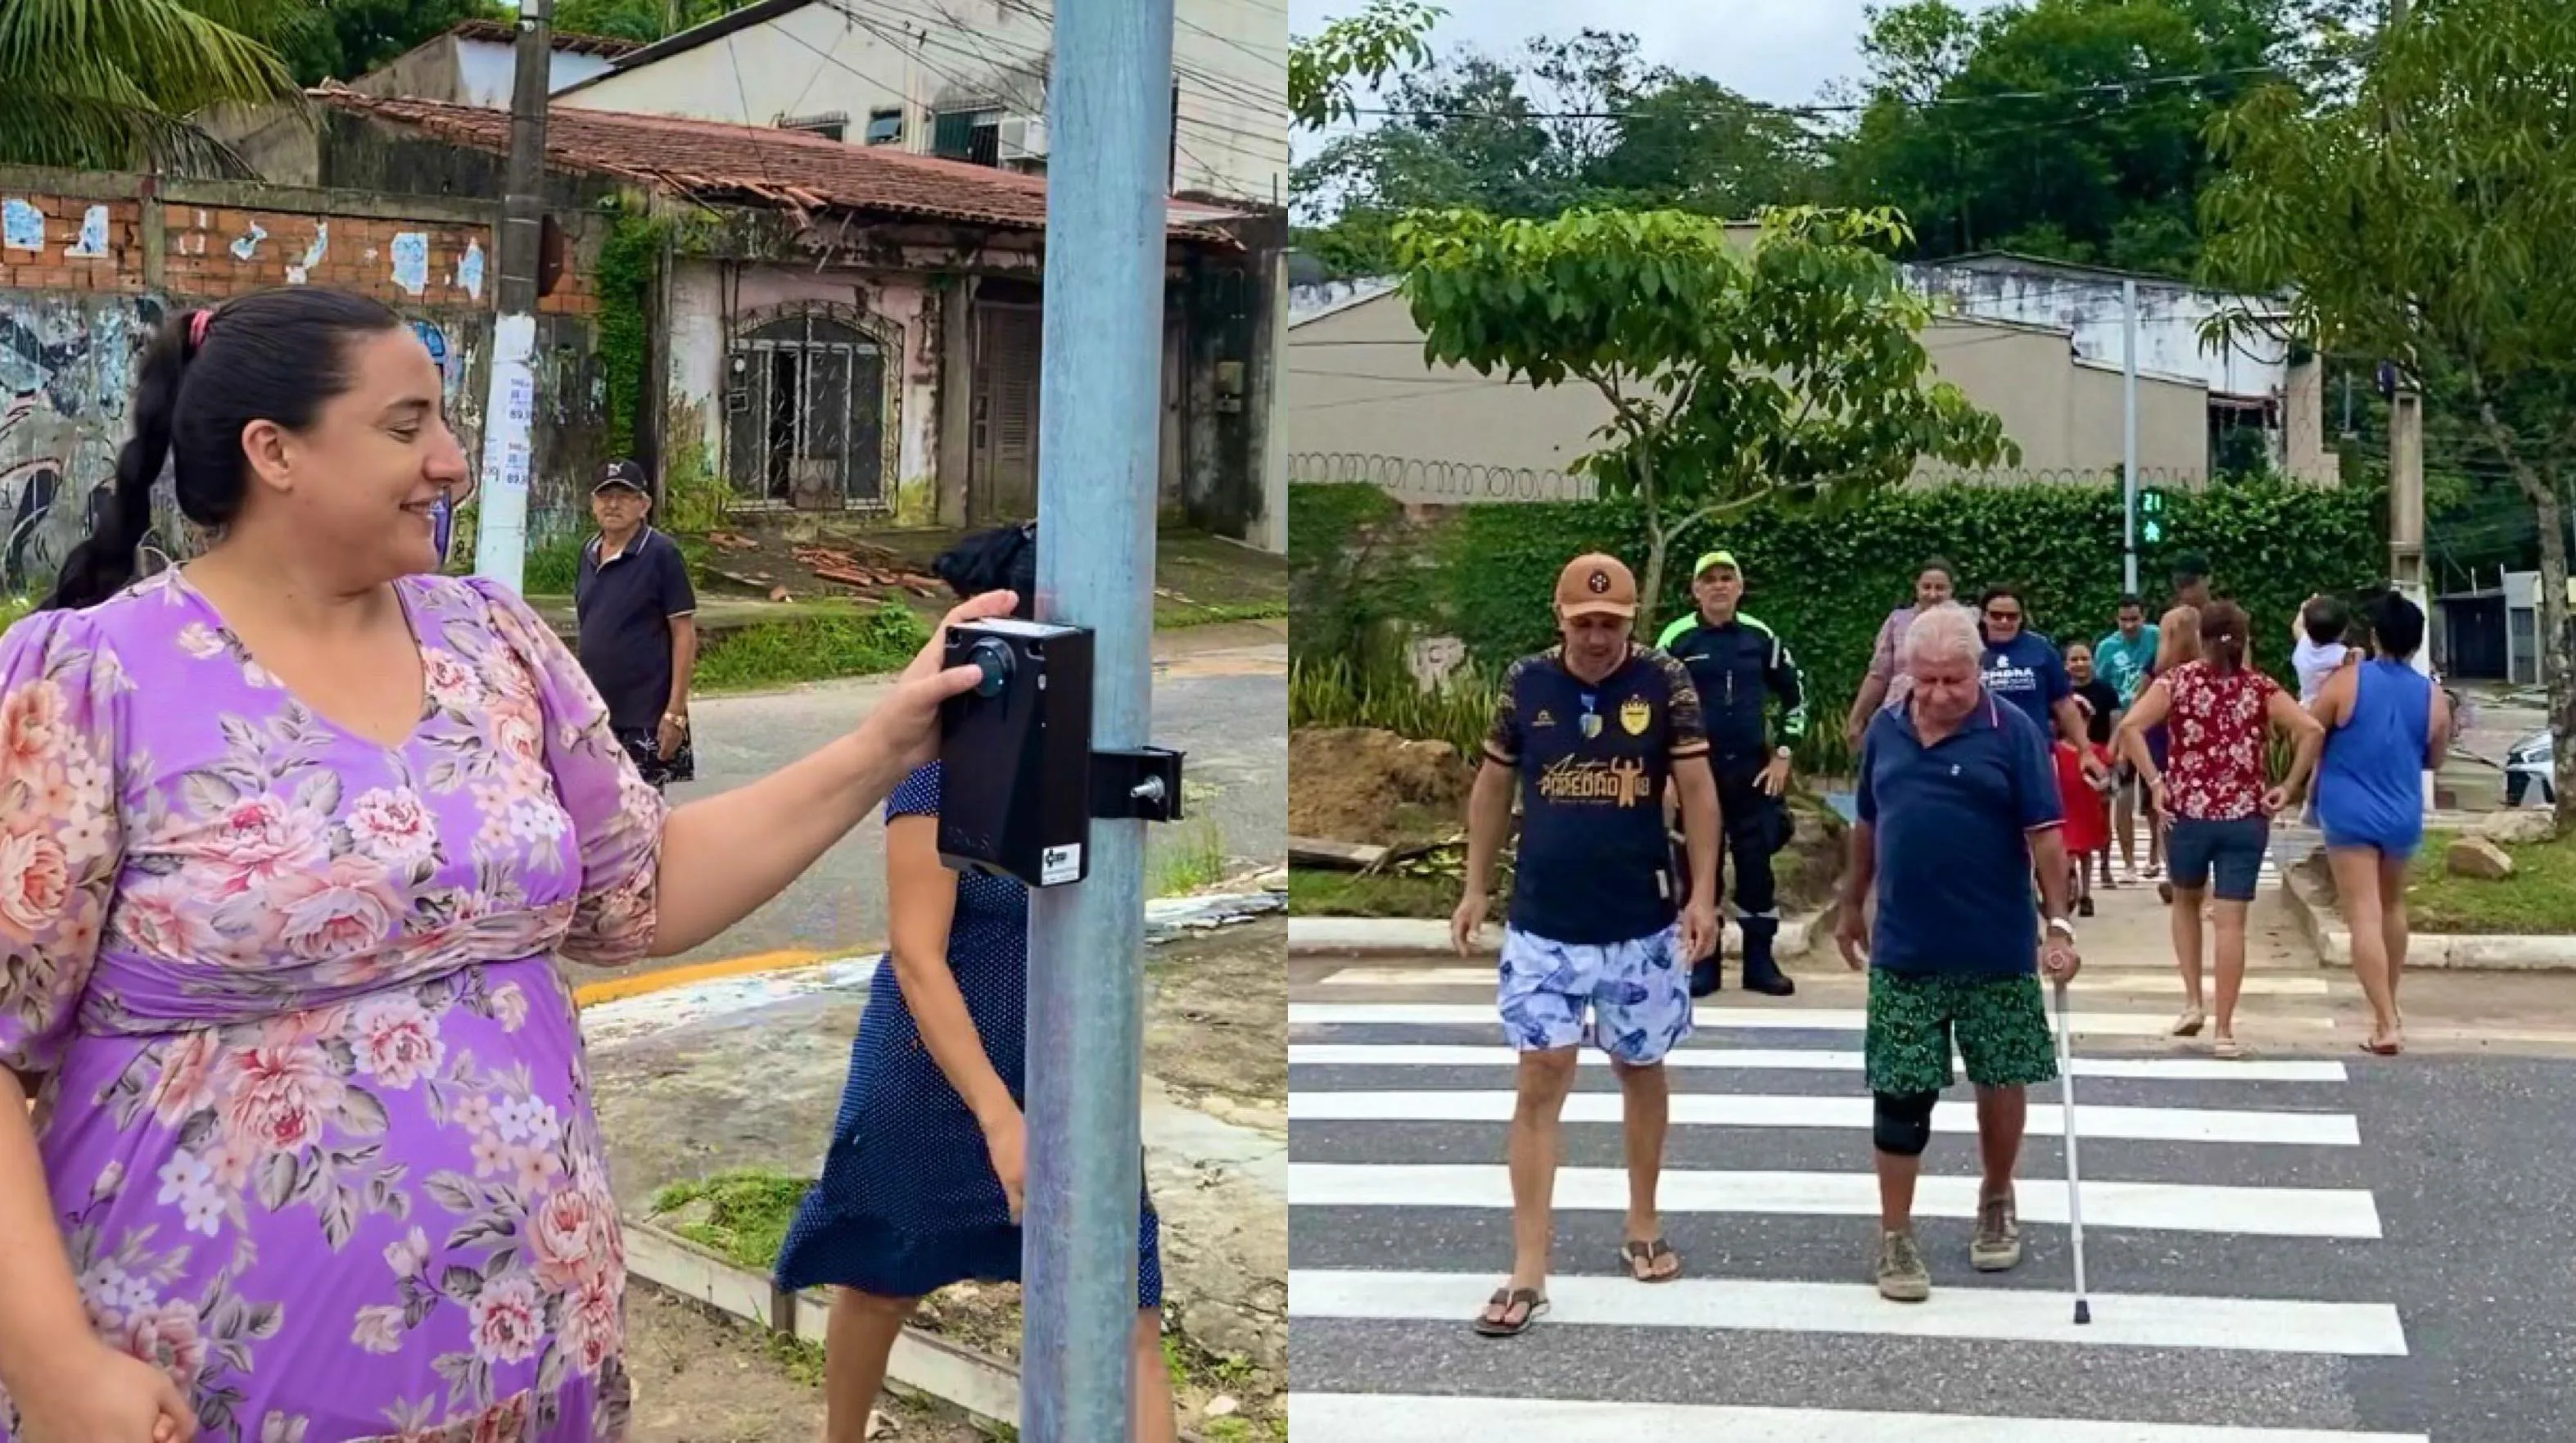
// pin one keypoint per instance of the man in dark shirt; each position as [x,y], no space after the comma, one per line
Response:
[1958,804]
[1739,668]
[1596,950]
[639,633]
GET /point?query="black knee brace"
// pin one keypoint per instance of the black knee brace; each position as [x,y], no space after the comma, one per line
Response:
[1903,1124]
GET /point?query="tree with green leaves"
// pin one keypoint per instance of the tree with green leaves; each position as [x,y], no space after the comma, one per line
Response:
[2063,128]
[644,21]
[1325,70]
[2430,219]
[1573,122]
[95,86]
[344,39]
[1787,369]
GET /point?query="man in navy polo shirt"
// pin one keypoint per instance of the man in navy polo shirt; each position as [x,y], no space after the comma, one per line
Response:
[1599,944]
[638,624]
[1957,802]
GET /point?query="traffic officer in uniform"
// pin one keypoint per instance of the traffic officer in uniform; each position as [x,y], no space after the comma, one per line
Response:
[1740,667]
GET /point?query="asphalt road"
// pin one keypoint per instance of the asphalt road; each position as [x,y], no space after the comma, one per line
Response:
[2419,1201]
[1227,709]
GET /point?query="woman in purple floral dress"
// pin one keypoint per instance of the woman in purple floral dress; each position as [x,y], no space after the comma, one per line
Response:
[288,840]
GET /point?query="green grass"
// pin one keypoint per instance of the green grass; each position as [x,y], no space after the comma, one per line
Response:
[1333,693]
[2538,899]
[814,647]
[1319,893]
[1195,859]
[14,609]
[748,1211]
[551,569]
[1175,615]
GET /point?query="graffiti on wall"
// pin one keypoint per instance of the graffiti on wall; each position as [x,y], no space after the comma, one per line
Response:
[66,377]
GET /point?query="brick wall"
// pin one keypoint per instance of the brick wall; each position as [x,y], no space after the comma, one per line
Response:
[210,242]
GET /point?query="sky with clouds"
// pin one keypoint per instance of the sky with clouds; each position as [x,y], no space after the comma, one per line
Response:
[1780,51]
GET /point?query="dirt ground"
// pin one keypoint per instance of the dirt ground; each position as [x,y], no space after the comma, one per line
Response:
[1358,784]
[704,1378]
[1216,1022]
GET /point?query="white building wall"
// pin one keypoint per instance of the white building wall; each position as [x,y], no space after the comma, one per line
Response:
[2169,321]
[484,71]
[1229,58]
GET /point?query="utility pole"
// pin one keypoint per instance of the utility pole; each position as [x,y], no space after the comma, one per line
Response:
[2129,433]
[2406,456]
[1109,119]
[510,409]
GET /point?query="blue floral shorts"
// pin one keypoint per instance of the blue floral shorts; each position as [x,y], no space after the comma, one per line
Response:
[1630,999]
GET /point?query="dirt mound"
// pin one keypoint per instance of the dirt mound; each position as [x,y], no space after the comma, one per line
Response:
[1357,784]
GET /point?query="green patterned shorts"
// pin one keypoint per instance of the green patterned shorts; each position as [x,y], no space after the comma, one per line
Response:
[2000,1022]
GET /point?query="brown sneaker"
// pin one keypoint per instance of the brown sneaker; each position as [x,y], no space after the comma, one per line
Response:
[1902,1277]
[1998,1242]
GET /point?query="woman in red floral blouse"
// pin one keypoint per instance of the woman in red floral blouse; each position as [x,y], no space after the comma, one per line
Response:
[2217,712]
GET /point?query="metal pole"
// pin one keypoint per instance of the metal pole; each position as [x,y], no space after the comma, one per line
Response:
[1109,115]
[509,411]
[2128,435]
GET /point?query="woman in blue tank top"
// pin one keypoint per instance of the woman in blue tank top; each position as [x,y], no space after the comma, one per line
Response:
[2386,724]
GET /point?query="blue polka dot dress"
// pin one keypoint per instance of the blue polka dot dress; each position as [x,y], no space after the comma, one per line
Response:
[908,1202]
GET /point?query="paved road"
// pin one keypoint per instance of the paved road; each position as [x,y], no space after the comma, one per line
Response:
[2327,1246]
[1226,708]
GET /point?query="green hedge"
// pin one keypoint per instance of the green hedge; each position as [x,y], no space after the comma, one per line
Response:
[1826,578]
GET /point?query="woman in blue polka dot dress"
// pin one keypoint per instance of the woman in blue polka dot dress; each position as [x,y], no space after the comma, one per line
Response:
[921,1186]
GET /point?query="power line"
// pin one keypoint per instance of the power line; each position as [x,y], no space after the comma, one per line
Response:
[1819,110]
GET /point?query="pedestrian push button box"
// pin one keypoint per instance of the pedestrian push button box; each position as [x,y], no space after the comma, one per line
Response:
[1020,782]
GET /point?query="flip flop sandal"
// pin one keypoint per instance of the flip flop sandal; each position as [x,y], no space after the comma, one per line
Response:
[1527,1299]
[1640,1259]
[2189,1023]
[2389,1048]
[2230,1050]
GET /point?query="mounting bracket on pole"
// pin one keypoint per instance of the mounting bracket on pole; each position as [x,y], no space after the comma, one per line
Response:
[1141,785]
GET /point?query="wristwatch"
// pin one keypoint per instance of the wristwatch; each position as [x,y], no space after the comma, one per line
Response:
[677,719]
[2060,927]
[1782,753]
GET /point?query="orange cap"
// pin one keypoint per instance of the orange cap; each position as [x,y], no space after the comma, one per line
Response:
[1596,585]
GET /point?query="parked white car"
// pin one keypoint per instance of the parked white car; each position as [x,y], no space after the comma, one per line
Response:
[2527,771]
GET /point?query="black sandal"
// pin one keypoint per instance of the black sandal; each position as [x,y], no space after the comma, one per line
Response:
[1526,1299]
[1640,1259]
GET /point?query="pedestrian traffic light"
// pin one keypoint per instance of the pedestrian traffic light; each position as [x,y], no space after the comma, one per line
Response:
[2151,517]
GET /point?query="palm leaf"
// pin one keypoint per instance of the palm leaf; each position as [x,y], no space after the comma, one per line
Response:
[114,84]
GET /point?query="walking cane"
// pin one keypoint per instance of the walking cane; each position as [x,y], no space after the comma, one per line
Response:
[2074,1203]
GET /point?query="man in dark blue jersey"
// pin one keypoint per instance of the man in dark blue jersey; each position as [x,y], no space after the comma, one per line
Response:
[1597,950]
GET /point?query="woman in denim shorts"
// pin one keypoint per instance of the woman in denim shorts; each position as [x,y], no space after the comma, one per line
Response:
[2217,713]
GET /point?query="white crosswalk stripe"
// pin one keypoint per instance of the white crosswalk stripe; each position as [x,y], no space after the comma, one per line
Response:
[1400,1202]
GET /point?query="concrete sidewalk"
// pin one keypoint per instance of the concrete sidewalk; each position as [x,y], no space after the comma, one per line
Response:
[746,1072]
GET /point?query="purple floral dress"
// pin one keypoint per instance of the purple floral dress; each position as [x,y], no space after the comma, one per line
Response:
[312,1104]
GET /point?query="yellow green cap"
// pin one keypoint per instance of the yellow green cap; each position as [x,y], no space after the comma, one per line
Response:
[1715,558]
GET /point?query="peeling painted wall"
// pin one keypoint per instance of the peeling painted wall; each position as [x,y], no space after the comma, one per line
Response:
[710,303]
[93,270]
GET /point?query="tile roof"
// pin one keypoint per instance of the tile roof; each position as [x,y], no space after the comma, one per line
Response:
[785,168]
[503,32]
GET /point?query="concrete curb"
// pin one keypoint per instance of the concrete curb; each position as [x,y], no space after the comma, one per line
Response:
[925,1363]
[1309,936]
[922,1362]
[1165,919]
[2309,901]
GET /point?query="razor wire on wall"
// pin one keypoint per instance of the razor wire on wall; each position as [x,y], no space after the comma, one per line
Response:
[1453,483]
[1438,482]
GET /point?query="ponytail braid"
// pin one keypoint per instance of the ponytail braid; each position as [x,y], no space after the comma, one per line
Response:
[104,564]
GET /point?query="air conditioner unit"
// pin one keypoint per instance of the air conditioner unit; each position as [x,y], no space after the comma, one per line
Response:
[1021,137]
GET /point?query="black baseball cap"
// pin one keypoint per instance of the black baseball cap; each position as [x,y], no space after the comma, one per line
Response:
[622,473]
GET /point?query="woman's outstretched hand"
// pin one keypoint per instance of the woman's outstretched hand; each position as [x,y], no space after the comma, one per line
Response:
[907,721]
